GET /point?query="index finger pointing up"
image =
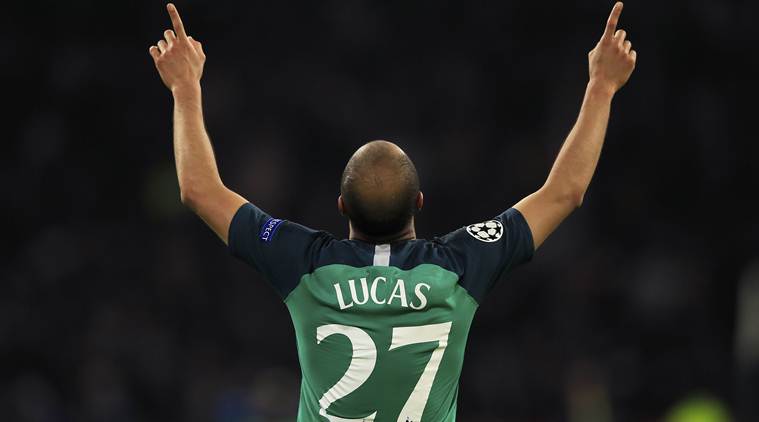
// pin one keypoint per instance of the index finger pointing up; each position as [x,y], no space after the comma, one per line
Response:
[176,21]
[611,24]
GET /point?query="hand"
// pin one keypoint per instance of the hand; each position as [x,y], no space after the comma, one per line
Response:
[612,61]
[178,58]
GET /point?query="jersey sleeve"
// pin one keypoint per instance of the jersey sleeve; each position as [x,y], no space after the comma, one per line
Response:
[490,249]
[281,250]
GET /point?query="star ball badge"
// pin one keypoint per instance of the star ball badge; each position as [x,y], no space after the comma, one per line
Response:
[488,231]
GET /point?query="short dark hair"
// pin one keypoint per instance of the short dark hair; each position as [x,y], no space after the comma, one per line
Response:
[379,187]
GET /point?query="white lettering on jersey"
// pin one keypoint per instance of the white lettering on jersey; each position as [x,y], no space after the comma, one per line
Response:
[422,298]
[364,288]
[374,290]
[398,295]
[399,291]
[340,300]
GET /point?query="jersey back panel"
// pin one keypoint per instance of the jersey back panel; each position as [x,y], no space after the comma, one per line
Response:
[381,329]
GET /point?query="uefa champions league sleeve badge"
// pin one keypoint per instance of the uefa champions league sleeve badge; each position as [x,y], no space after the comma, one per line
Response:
[488,231]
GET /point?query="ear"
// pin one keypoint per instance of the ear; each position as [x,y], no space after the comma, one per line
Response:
[340,205]
[419,201]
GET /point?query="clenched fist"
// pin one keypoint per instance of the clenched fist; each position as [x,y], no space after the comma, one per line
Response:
[612,61]
[179,58]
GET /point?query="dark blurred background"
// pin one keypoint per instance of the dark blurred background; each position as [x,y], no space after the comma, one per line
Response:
[117,304]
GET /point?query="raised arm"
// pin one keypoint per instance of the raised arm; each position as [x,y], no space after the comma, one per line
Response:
[179,60]
[611,63]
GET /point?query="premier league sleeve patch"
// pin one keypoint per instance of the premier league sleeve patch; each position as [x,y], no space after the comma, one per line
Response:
[269,229]
[488,231]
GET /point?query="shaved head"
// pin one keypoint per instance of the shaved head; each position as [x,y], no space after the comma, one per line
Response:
[379,188]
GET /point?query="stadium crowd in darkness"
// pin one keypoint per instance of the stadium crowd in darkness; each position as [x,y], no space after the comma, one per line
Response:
[117,304]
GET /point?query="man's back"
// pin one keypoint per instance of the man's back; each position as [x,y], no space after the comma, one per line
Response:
[381,329]
[372,347]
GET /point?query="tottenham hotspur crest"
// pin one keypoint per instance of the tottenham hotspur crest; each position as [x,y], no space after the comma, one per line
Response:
[488,231]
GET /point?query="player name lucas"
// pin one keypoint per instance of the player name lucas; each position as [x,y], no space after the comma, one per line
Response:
[368,291]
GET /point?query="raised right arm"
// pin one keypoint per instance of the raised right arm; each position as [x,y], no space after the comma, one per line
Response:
[179,60]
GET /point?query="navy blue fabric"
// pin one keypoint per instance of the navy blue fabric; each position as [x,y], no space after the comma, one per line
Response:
[283,255]
[294,250]
[485,262]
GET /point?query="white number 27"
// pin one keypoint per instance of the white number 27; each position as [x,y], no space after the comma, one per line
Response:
[365,356]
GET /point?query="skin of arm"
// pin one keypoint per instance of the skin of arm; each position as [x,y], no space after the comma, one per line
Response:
[611,63]
[180,60]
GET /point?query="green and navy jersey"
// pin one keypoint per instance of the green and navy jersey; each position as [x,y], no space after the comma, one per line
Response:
[380,328]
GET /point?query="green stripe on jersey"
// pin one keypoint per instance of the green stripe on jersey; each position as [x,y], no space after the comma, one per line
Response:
[379,343]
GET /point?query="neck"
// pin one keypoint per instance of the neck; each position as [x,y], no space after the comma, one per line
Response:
[408,233]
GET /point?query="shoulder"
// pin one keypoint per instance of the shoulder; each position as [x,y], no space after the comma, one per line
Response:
[282,250]
[487,249]
[253,231]
[487,233]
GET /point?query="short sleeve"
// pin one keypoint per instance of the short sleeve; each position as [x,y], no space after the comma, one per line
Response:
[490,249]
[281,250]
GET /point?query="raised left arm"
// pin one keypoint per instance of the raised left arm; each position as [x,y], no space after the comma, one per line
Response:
[611,63]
